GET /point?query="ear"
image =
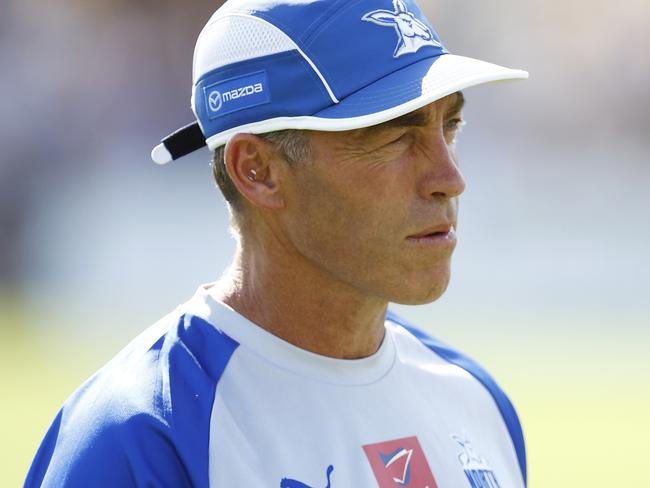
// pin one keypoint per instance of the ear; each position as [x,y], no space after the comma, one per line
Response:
[381,17]
[253,168]
[400,6]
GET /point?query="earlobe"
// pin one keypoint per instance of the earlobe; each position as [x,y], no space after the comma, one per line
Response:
[253,170]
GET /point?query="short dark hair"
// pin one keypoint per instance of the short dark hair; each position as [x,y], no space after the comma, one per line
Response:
[292,144]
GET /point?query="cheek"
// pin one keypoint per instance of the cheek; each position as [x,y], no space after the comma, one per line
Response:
[346,217]
[348,225]
[356,233]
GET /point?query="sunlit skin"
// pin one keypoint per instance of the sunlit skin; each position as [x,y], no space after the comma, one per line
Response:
[327,244]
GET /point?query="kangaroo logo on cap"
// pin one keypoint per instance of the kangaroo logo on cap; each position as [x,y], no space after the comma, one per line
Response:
[412,34]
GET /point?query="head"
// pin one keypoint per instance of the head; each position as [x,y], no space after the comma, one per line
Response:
[372,208]
[348,185]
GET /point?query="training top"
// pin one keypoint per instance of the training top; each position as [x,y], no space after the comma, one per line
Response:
[206,398]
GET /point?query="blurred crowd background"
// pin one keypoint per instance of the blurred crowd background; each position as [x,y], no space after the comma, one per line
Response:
[551,275]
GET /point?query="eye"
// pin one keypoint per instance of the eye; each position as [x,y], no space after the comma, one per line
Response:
[454,124]
[452,128]
[396,141]
[400,138]
[403,137]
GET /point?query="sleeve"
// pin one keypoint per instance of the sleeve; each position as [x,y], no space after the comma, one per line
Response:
[132,453]
[144,419]
[502,401]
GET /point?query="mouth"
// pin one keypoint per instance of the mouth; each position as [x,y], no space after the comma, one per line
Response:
[444,234]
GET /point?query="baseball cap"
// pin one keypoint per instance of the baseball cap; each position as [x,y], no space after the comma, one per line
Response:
[329,65]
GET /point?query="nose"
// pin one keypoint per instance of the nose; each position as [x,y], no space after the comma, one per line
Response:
[439,175]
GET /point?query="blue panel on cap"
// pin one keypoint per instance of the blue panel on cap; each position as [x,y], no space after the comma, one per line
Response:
[375,39]
[236,94]
[354,43]
[294,89]
[389,92]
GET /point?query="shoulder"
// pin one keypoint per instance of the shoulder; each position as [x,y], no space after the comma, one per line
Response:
[453,356]
[144,416]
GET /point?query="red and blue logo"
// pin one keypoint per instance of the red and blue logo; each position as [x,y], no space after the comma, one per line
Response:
[400,463]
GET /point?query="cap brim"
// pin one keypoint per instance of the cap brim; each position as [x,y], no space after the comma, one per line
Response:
[394,95]
[412,88]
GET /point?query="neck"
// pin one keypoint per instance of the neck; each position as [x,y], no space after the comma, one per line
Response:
[302,304]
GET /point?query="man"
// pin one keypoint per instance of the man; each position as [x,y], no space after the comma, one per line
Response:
[333,126]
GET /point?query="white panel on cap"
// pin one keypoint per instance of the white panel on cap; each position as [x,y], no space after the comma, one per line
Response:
[237,37]
[233,38]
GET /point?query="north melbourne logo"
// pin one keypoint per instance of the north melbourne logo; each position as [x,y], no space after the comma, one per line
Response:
[478,472]
[412,34]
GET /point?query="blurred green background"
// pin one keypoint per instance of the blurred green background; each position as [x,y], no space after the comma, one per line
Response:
[551,275]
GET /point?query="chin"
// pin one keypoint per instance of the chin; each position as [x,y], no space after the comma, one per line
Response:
[419,300]
[421,295]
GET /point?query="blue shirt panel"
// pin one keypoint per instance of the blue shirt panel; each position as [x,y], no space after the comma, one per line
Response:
[143,419]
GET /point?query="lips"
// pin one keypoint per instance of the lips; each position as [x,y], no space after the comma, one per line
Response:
[439,236]
[438,230]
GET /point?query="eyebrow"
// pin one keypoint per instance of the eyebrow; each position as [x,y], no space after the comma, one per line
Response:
[419,118]
[458,104]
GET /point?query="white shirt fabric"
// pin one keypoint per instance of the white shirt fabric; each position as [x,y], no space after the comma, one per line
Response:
[233,405]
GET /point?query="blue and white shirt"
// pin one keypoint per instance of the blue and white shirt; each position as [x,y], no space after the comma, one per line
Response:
[206,398]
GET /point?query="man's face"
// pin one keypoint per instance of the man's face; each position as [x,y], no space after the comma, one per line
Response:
[376,208]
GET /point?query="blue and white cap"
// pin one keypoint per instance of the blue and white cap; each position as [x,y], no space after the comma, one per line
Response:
[329,65]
